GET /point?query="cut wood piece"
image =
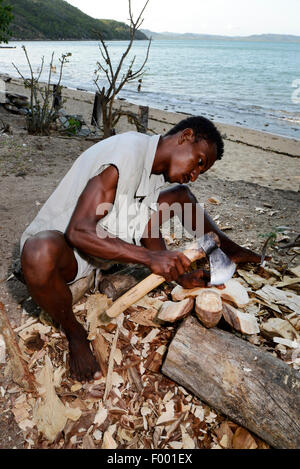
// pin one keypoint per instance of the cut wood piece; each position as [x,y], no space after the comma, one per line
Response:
[2,350]
[245,383]
[208,307]
[171,311]
[19,367]
[242,322]
[233,291]
[114,285]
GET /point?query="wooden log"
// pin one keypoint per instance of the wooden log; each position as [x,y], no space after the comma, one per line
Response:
[114,285]
[144,117]
[247,384]
[208,307]
[97,110]
[19,368]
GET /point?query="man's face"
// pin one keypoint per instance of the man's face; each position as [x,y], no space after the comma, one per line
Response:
[190,158]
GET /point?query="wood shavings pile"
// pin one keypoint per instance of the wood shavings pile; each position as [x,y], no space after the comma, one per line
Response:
[133,406]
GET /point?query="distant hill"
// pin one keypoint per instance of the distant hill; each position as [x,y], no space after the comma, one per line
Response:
[212,37]
[58,20]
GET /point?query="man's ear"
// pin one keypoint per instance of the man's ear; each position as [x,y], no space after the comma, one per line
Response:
[186,135]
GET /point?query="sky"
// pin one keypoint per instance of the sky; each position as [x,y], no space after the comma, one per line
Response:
[224,17]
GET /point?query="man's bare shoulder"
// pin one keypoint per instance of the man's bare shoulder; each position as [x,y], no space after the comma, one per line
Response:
[108,178]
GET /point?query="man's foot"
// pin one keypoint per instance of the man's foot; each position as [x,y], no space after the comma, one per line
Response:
[83,365]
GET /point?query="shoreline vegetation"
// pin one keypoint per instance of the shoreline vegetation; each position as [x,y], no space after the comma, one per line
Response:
[59,20]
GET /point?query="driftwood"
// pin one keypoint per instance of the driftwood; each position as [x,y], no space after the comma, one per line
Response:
[19,368]
[245,383]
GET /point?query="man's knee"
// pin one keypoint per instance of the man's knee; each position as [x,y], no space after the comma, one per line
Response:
[39,257]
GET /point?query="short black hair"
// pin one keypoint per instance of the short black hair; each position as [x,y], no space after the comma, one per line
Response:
[203,129]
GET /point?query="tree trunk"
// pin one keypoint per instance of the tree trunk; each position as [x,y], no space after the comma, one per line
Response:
[144,116]
[247,384]
[97,110]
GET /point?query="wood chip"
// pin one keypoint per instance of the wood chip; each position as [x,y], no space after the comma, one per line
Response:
[108,441]
[225,435]
[95,305]
[275,327]
[144,317]
[254,280]
[273,295]
[111,365]
[151,336]
[242,439]
[2,350]
[188,442]
[50,415]
[31,330]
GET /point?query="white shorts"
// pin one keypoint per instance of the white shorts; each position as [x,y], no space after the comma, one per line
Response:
[87,265]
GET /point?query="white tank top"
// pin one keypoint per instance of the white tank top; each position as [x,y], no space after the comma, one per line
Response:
[132,153]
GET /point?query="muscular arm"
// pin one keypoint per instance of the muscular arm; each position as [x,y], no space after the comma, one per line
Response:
[81,232]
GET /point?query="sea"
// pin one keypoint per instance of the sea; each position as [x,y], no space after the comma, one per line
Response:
[249,84]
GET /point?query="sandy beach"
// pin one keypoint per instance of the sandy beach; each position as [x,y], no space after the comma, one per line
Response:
[256,184]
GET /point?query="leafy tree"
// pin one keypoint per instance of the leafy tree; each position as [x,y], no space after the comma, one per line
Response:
[6,17]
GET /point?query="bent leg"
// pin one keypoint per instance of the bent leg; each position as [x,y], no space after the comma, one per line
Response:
[48,263]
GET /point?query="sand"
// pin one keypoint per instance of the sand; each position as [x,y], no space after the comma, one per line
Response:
[256,182]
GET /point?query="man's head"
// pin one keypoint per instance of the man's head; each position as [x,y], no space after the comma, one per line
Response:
[193,145]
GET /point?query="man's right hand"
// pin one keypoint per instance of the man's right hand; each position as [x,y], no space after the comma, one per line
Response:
[168,264]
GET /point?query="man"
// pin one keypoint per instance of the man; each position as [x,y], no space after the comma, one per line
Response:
[103,209]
